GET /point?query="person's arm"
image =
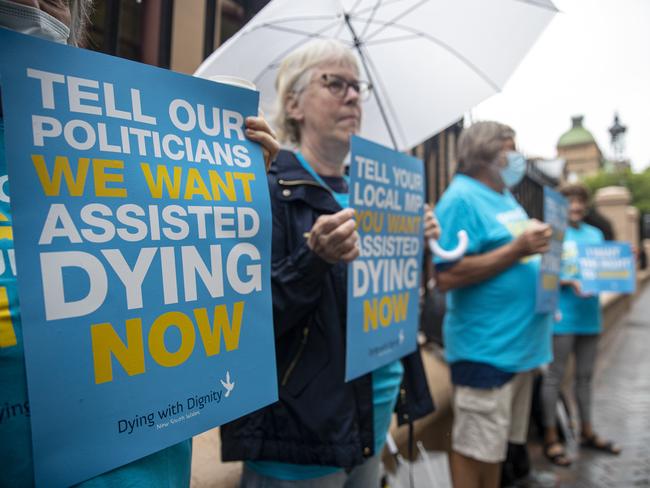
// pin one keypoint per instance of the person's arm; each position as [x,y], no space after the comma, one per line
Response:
[480,267]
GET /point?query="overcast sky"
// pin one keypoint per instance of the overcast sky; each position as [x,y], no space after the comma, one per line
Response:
[593,59]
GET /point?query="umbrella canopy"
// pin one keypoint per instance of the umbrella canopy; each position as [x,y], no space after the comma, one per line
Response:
[429,60]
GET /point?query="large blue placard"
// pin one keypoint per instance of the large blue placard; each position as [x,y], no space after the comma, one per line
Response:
[142,236]
[607,267]
[387,193]
[548,283]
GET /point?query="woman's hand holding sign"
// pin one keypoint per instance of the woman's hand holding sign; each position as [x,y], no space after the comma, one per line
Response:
[577,288]
[334,237]
[535,239]
[258,130]
[431,226]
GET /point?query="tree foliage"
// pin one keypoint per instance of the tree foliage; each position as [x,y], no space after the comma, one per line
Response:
[637,183]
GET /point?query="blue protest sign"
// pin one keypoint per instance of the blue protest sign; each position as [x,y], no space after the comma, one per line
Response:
[548,283]
[607,267]
[387,193]
[142,237]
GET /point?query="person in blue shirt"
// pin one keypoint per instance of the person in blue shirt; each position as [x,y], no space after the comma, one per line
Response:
[576,331]
[63,21]
[493,337]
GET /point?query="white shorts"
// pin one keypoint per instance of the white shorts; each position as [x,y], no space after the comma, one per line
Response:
[486,419]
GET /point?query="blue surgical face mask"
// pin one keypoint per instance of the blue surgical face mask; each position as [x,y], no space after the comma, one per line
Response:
[514,171]
[33,22]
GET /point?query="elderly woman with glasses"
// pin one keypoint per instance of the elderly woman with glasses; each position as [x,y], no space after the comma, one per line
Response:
[322,432]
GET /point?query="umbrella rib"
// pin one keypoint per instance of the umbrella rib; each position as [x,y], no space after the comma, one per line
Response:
[369,20]
[535,3]
[387,40]
[286,19]
[364,10]
[394,20]
[294,19]
[289,30]
[445,46]
[293,46]
[338,32]
[386,99]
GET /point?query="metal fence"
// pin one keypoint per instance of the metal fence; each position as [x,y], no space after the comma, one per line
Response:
[439,156]
[530,192]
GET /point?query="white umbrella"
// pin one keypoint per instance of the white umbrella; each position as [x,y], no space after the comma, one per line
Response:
[429,60]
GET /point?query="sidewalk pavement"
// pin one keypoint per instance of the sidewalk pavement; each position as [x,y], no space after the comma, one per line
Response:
[621,412]
[621,409]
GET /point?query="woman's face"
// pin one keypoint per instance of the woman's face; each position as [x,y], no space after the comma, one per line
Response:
[577,210]
[324,116]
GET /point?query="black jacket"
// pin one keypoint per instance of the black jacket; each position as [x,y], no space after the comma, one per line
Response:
[319,419]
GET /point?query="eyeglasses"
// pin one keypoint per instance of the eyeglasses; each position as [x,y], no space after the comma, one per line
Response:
[338,86]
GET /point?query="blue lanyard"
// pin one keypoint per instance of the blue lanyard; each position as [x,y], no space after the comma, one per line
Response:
[343,199]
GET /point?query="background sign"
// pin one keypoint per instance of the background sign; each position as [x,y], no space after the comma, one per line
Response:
[555,214]
[142,234]
[607,267]
[387,193]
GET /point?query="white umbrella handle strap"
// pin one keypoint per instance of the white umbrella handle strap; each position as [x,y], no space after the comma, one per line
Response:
[453,254]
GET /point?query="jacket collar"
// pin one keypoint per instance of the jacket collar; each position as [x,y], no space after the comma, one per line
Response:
[295,183]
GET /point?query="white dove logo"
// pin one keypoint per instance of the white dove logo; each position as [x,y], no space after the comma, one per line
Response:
[228,385]
[401,336]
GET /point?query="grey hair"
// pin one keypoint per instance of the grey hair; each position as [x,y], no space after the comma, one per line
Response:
[79,17]
[480,144]
[295,73]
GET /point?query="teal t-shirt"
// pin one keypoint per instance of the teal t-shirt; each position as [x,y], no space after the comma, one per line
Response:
[385,388]
[167,468]
[494,321]
[578,315]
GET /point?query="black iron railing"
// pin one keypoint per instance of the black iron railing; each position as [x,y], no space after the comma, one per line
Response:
[439,156]
[530,192]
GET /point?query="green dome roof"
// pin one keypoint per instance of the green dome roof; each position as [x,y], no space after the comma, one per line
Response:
[576,135]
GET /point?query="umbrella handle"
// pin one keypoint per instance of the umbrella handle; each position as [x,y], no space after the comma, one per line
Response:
[392,448]
[390,443]
[454,254]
